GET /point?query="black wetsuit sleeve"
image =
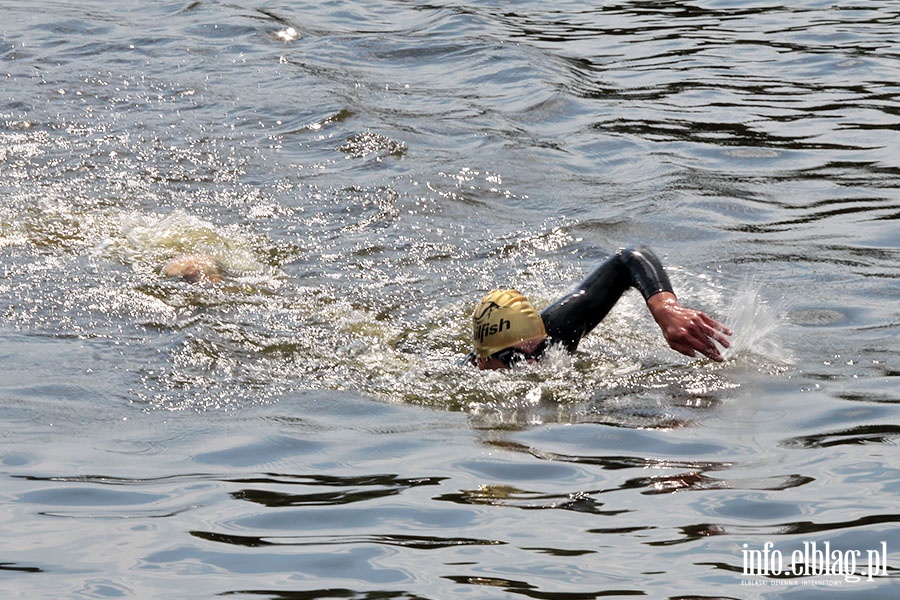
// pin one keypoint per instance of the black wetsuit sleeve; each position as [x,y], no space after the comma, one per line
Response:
[574,315]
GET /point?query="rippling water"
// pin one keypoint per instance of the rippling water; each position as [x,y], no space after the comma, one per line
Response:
[364,172]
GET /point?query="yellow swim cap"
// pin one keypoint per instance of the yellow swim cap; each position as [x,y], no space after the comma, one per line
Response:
[502,319]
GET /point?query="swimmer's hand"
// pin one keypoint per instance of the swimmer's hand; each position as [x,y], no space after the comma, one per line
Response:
[686,330]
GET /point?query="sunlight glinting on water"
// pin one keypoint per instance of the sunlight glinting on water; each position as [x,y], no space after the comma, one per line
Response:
[359,175]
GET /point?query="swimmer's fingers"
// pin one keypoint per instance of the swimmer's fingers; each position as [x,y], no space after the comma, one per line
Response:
[719,327]
[707,348]
[696,350]
[716,331]
[702,336]
[711,351]
[694,341]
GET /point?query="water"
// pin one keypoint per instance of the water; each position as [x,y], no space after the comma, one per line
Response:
[366,171]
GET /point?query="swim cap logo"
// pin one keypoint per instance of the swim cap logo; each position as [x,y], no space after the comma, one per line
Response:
[482,329]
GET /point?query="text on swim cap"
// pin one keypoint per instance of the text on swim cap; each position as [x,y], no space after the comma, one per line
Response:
[486,329]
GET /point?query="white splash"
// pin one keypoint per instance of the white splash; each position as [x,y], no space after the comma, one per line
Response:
[149,240]
[288,34]
[756,325]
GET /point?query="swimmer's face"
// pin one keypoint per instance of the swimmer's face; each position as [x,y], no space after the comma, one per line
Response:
[529,351]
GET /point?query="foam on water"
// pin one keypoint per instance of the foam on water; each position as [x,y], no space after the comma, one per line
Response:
[146,241]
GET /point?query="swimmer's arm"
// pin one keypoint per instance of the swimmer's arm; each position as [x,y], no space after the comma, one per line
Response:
[574,315]
[645,270]
[686,330]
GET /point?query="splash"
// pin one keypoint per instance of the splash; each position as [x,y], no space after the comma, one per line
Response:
[757,327]
[146,241]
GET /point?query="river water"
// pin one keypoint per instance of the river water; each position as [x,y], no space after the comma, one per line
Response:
[365,171]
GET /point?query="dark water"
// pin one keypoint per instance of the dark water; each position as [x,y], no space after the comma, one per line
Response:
[365,171]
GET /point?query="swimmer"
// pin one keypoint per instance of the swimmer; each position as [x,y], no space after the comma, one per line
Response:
[194,268]
[507,329]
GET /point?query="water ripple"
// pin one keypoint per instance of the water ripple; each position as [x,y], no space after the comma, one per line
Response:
[364,171]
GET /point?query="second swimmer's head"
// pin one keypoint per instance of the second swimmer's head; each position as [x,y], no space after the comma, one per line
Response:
[196,268]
